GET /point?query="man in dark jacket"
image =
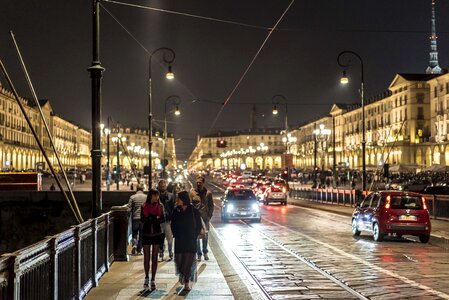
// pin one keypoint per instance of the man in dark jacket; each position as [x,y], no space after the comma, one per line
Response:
[206,208]
[168,200]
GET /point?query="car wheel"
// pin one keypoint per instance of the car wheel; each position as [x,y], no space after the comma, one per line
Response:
[377,235]
[423,238]
[355,230]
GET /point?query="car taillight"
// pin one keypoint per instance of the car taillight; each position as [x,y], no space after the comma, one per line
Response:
[387,203]
[424,205]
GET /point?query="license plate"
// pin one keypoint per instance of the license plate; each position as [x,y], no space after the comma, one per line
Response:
[407,218]
[243,213]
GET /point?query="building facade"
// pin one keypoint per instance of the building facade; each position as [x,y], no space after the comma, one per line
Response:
[19,149]
[255,149]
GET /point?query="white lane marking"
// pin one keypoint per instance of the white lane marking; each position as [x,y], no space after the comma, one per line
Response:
[353,257]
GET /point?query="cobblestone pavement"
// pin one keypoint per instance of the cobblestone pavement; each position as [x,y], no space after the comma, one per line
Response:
[279,251]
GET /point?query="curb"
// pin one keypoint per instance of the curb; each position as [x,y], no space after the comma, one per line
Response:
[437,240]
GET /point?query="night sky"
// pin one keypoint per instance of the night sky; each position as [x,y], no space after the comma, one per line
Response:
[298,60]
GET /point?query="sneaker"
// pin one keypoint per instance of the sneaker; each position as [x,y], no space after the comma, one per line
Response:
[170,255]
[206,257]
[199,258]
[161,256]
[146,283]
[134,250]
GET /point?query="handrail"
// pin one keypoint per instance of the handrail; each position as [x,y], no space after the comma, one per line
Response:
[67,265]
[437,205]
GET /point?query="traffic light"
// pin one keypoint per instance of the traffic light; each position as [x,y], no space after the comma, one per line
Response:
[221,143]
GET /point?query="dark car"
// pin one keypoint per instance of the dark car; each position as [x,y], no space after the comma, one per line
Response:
[437,190]
[392,212]
[239,204]
[276,192]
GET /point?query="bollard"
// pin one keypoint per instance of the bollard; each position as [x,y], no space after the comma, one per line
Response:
[121,224]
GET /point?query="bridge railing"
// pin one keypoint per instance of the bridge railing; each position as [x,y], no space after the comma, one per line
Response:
[69,264]
[438,205]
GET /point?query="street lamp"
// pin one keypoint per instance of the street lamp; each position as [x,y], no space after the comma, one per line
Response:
[263,149]
[321,134]
[169,75]
[276,99]
[118,140]
[176,101]
[289,140]
[107,132]
[344,80]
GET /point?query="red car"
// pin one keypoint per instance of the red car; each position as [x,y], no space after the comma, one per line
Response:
[392,212]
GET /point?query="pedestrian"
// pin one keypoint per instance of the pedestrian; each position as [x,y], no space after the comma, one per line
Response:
[83,178]
[135,203]
[52,187]
[152,215]
[186,226]
[205,205]
[168,201]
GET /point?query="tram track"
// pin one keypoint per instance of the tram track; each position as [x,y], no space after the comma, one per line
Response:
[299,263]
[328,261]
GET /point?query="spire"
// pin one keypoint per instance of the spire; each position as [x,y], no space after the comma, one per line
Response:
[433,67]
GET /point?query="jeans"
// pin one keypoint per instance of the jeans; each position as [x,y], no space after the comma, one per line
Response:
[200,250]
[137,234]
[166,229]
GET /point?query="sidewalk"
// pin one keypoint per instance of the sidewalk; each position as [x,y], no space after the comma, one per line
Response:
[125,281]
[440,228]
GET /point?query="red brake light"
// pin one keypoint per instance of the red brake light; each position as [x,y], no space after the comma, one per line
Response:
[424,205]
[387,203]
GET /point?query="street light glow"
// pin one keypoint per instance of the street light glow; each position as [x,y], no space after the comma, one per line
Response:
[170,75]
[344,79]
[275,110]
[177,111]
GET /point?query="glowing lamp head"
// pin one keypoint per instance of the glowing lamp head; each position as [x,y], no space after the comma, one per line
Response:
[344,79]
[275,110]
[170,75]
[177,111]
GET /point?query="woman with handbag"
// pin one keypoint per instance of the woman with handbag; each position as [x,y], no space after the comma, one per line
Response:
[186,225]
[151,216]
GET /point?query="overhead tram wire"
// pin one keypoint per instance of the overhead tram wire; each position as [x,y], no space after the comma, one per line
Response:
[250,65]
[47,130]
[188,15]
[144,48]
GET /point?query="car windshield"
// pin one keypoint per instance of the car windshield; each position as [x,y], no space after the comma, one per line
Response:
[406,202]
[241,195]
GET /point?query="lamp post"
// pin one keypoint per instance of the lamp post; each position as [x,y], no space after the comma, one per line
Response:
[344,80]
[107,132]
[118,140]
[169,75]
[176,101]
[276,99]
[96,74]
[322,134]
[289,140]
[263,149]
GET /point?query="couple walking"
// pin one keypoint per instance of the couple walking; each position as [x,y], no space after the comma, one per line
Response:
[184,226]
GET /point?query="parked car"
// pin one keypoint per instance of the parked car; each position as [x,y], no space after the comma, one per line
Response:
[240,204]
[392,212]
[276,192]
[437,190]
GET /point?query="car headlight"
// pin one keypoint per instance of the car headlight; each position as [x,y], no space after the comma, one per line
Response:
[255,207]
[229,208]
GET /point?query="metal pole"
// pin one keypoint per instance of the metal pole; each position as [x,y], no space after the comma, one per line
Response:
[150,109]
[314,153]
[96,74]
[150,128]
[286,128]
[165,139]
[108,170]
[117,177]
[334,154]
